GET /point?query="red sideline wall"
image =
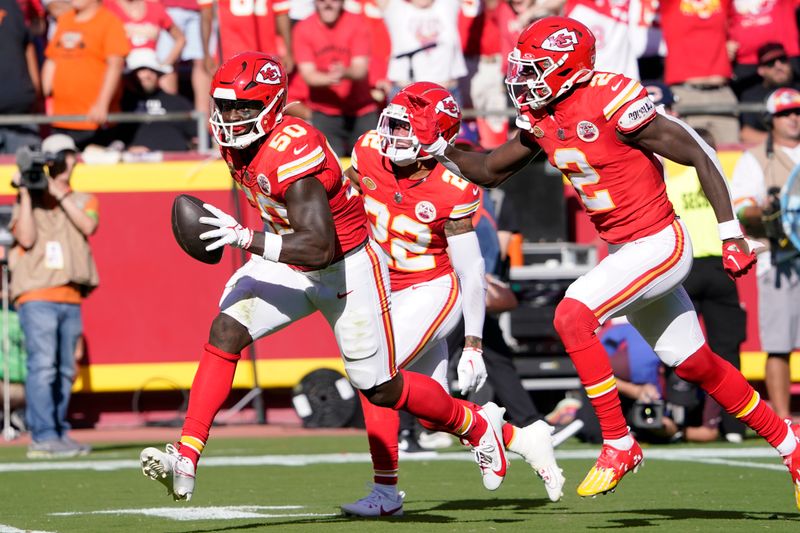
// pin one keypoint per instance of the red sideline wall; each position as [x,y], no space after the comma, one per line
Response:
[147,322]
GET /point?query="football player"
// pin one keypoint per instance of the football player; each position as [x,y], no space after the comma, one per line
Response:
[421,215]
[603,132]
[315,255]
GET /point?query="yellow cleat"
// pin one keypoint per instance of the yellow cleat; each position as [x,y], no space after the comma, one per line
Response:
[607,472]
[792,462]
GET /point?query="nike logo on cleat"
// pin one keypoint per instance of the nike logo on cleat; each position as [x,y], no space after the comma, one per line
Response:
[341,295]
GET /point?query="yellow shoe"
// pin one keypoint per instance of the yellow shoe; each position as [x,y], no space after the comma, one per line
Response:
[792,462]
[609,469]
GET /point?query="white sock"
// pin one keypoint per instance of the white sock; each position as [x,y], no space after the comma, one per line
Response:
[386,490]
[625,443]
[788,444]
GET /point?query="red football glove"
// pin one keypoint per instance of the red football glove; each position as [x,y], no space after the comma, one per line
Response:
[739,256]
[422,115]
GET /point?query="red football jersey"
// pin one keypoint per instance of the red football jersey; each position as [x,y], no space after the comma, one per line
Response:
[248,25]
[621,187]
[295,150]
[407,217]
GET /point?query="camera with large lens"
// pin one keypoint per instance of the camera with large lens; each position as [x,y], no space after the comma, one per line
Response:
[32,163]
[771,218]
[647,415]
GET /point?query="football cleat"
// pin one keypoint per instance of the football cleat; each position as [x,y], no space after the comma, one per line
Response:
[490,453]
[792,462]
[376,503]
[607,472]
[534,443]
[171,469]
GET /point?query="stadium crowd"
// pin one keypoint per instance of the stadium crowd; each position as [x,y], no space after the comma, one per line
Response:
[346,57]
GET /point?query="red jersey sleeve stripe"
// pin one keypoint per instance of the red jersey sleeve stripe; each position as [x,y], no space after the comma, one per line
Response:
[627,94]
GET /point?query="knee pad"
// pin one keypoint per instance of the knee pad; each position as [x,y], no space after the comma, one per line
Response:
[575,324]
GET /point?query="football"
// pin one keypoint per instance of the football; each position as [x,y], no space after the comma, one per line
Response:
[186,210]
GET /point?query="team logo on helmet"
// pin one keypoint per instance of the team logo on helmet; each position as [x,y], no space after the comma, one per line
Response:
[263,182]
[270,74]
[448,106]
[562,40]
[425,211]
[587,132]
[368,183]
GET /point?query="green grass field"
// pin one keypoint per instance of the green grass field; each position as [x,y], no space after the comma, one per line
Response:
[297,484]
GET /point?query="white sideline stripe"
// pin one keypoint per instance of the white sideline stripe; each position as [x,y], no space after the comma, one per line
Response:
[8,529]
[707,455]
[232,512]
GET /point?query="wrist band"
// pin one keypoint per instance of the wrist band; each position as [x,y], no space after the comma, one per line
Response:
[472,349]
[272,246]
[729,229]
[63,196]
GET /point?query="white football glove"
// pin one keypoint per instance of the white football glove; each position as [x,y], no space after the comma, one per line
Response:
[471,371]
[228,231]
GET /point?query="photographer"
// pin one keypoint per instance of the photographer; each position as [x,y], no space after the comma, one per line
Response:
[52,271]
[659,407]
[758,178]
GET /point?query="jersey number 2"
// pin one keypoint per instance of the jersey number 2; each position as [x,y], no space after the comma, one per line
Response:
[572,162]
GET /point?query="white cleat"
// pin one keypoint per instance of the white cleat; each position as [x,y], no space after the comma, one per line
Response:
[534,443]
[376,504]
[490,453]
[171,469]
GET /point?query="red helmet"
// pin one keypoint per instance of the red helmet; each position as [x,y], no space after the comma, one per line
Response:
[397,139]
[551,56]
[248,93]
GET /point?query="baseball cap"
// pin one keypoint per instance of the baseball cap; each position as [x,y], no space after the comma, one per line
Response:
[783,99]
[769,51]
[145,58]
[660,93]
[58,142]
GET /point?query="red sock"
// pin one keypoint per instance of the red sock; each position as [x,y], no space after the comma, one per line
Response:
[594,371]
[576,325]
[723,382]
[211,386]
[382,427]
[508,433]
[425,398]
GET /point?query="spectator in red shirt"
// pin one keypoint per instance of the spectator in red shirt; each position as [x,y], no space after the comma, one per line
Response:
[332,52]
[186,15]
[483,28]
[754,23]
[247,25]
[697,66]
[144,21]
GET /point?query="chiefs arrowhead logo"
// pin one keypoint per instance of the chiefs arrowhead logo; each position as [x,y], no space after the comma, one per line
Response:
[270,74]
[448,106]
[562,40]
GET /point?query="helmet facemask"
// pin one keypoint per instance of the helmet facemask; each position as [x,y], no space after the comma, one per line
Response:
[397,139]
[526,80]
[244,132]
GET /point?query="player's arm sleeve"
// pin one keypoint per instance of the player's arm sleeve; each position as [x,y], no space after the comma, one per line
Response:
[465,256]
